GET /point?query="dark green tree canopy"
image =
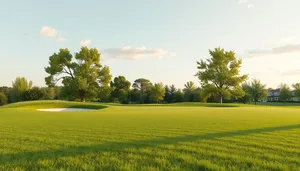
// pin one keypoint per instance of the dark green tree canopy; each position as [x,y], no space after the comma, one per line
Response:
[157,92]
[219,75]
[143,86]
[81,76]
[285,92]
[120,89]
[257,90]
[297,89]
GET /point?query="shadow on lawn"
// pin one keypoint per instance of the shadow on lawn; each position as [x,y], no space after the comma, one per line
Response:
[117,146]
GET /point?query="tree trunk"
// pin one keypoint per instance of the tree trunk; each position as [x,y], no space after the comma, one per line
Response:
[255,102]
[82,98]
[221,99]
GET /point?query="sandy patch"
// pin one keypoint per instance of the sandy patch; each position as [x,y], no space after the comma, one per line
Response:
[64,110]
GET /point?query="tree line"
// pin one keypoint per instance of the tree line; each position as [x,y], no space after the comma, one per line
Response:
[84,78]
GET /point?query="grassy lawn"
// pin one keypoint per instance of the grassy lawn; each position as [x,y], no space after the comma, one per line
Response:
[186,136]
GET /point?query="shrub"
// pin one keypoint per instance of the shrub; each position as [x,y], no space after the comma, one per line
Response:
[3,99]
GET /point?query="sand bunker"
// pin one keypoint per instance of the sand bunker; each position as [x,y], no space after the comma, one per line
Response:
[64,110]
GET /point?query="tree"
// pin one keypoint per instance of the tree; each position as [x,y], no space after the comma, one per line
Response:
[120,89]
[219,75]
[157,92]
[35,93]
[188,90]
[178,96]
[80,79]
[19,87]
[3,99]
[104,93]
[143,86]
[297,89]
[257,90]
[167,98]
[247,97]
[285,92]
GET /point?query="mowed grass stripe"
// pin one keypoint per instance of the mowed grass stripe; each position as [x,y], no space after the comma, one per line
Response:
[185,137]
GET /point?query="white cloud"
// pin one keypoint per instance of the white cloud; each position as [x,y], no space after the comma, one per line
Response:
[250,5]
[60,39]
[288,48]
[48,31]
[85,43]
[243,1]
[135,53]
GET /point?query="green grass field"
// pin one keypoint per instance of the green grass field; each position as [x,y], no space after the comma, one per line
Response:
[187,136]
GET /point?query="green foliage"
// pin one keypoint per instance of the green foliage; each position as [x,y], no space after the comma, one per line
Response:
[157,92]
[120,89]
[188,91]
[104,93]
[35,93]
[219,75]
[285,92]
[3,99]
[257,90]
[297,89]
[143,86]
[247,97]
[178,96]
[19,87]
[81,79]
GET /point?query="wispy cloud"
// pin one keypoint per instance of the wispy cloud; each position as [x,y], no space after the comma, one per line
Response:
[48,31]
[289,48]
[243,1]
[85,43]
[291,72]
[247,3]
[250,5]
[60,39]
[135,53]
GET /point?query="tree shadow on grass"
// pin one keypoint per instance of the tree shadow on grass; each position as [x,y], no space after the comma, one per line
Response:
[117,146]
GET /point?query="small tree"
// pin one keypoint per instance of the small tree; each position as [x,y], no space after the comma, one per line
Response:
[157,92]
[178,96]
[257,90]
[188,91]
[35,93]
[3,99]
[143,86]
[297,89]
[247,97]
[219,75]
[19,87]
[285,92]
[120,89]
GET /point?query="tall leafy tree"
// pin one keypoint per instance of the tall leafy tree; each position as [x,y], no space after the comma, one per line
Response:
[157,92]
[257,90]
[219,75]
[297,89]
[285,92]
[80,79]
[19,87]
[120,88]
[143,86]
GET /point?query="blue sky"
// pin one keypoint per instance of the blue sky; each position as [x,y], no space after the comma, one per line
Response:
[156,39]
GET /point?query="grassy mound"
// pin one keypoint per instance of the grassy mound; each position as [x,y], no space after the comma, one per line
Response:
[54,104]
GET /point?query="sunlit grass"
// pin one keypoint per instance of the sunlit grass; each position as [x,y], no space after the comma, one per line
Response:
[160,137]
